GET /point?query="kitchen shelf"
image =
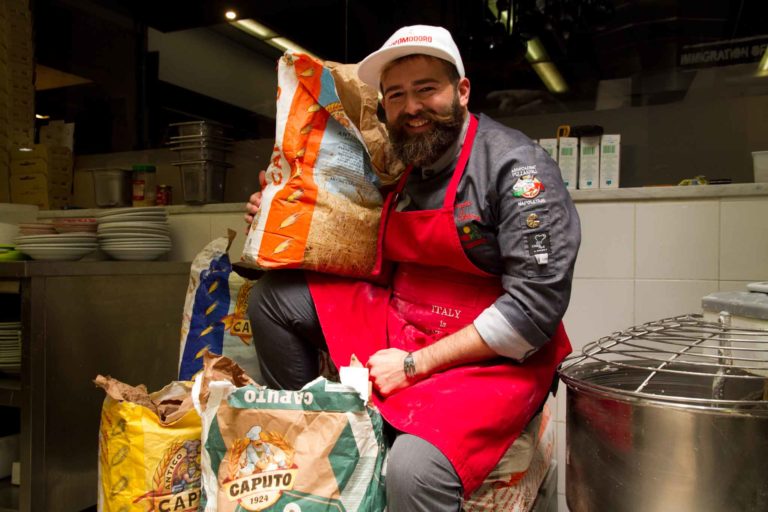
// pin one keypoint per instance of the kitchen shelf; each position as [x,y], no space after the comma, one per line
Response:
[10,392]
[80,319]
[9,496]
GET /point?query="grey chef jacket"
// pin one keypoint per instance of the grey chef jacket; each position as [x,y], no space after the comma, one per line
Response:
[515,219]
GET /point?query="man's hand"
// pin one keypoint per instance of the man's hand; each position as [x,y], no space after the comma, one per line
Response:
[254,202]
[387,371]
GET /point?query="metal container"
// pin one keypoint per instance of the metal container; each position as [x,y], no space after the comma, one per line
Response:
[112,187]
[193,152]
[668,416]
[203,181]
[199,128]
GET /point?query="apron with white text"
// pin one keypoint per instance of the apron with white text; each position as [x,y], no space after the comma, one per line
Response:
[471,413]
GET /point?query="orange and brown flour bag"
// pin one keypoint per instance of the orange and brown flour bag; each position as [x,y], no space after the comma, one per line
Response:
[320,209]
[514,483]
[149,449]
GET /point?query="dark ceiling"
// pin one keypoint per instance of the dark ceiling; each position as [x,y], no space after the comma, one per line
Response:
[589,40]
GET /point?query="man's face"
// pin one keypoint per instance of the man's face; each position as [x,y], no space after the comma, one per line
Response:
[424,110]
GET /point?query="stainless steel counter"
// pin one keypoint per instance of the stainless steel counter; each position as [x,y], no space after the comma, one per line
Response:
[80,319]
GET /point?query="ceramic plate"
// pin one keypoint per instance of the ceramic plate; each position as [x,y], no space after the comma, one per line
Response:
[61,238]
[57,252]
[135,254]
[135,244]
[142,235]
[134,218]
[132,210]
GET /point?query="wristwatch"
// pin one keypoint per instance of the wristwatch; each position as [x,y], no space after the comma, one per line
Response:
[409,366]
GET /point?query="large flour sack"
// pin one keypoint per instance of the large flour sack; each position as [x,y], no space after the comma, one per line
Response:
[321,206]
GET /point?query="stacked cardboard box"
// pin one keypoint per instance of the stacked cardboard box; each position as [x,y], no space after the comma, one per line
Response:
[42,176]
[610,159]
[17,92]
[568,159]
[589,162]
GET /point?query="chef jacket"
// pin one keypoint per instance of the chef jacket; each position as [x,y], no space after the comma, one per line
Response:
[515,219]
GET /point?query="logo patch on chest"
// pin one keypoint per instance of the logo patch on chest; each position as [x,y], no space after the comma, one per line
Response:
[470,236]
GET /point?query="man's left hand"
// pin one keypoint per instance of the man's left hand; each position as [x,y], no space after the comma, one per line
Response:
[387,371]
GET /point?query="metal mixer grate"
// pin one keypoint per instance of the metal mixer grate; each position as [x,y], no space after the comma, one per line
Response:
[683,360]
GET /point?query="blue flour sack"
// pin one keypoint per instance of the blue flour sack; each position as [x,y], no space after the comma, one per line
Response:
[216,313]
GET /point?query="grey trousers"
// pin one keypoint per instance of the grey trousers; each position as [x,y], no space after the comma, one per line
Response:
[287,337]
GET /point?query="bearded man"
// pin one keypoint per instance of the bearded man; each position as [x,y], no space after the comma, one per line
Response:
[463,343]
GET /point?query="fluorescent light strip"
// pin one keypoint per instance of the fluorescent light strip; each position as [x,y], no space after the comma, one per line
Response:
[287,44]
[762,68]
[254,28]
[540,61]
[535,51]
[259,31]
[551,77]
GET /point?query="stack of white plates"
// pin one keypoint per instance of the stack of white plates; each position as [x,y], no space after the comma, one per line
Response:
[59,246]
[134,233]
[10,346]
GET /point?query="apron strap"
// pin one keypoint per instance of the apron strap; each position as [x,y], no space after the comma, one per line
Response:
[466,149]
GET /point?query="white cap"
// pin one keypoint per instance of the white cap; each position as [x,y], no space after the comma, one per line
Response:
[413,40]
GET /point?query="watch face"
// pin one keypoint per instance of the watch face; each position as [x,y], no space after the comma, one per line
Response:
[409,366]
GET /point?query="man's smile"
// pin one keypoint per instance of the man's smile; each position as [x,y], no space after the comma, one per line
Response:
[417,125]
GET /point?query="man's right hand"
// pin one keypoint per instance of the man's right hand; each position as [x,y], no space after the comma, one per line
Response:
[254,202]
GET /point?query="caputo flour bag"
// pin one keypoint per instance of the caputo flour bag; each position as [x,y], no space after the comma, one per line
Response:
[149,449]
[317,449]
[321,206]
[215,314]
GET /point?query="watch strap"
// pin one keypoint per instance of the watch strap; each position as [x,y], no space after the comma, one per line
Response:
[409,366]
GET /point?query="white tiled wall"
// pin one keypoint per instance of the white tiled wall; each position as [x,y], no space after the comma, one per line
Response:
[677,240]
[191,232]
[608,242]
[744,239]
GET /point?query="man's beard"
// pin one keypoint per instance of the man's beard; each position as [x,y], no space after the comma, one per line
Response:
[423,149]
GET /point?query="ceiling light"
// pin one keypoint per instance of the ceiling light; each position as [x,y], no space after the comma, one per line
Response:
[230,15]
[762,68]
[287,44]
[551,77]
[41,116]
[259,31]
[254,28]
[536,51]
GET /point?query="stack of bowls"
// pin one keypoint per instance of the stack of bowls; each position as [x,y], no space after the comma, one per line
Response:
[57,246]
[134,233]
[201,148]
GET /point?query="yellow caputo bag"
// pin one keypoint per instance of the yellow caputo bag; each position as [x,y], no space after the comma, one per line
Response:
[149,449]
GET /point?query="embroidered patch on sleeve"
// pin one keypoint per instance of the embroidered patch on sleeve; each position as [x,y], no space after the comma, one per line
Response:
[527,186]
[538,243]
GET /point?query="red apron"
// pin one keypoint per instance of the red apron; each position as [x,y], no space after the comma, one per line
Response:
[471,413]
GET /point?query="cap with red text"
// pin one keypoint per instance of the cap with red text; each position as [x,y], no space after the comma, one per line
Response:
[413,40]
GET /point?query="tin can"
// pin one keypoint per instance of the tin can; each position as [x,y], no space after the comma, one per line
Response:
[164,195]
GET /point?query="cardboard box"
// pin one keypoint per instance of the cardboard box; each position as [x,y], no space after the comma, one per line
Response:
[44,152]
[610,159]
[53,162]
[38,190]
[589,162]
[568,160]
[550,146]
